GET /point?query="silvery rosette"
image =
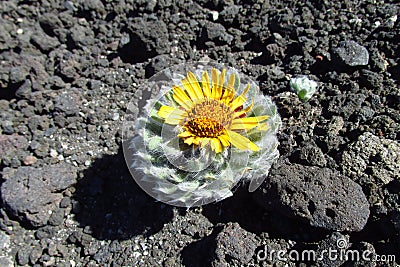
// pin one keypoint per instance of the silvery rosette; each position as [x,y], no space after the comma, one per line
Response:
[187,173]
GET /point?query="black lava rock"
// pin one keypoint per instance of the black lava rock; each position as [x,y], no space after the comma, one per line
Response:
[318,196]
[351,54]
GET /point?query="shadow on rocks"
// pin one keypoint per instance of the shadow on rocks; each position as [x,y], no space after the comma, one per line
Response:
[109,205]
[200,252]
[243,209]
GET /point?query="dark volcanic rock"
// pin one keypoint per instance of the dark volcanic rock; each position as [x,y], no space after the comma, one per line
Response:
[336,241]
[10,146]
[216,32]
[351,53]
[372,160]
[147,38]
[81,36]
[234,243]
[31,193]
[44,42]
[319,196]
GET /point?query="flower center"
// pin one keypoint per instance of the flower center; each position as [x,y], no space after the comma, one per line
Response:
[204,127]
[208,118]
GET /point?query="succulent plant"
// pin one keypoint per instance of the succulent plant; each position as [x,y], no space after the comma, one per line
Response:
[204,132]
[303,87]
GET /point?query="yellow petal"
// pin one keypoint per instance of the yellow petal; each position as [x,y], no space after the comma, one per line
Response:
[188,87]
[216,91]
[231,82]
[165,111]
[224,139]
[239,113]
[239,101]
[182,98]
[189,140]
[216,145]
[241,142]
[185,134]
[247,123]
[229,91]
[195,84]
[263,127]
[205,82]
[221,82]
[204,141]
[171,115]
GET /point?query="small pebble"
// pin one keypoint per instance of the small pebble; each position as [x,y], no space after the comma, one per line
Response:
[30,160]
[53,153]
[115,117]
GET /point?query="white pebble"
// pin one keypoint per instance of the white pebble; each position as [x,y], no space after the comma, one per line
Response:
[214,15]
[20,31]
[115,117]
[53,153]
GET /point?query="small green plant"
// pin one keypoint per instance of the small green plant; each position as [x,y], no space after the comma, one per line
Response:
[303,87]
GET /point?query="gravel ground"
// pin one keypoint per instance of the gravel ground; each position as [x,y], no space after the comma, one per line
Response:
[68,69]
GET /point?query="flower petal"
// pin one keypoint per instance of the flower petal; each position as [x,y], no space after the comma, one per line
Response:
[216,90]
[188,87]
[221,82]
[165,111]
[205,82]
[171,115]
[241,142]
[192,140]
[239,101]
[182,98]
[239,113]
[185,134]
[247,123]
[216,145]
[224,139]
[195,84]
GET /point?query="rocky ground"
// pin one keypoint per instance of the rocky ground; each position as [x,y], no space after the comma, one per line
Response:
[69,69]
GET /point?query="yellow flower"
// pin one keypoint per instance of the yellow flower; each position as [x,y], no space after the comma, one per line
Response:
[209,113]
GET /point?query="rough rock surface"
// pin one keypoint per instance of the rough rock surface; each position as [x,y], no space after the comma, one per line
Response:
[31,194]
[69,69]
[351,53]
[371,156]
[234,243]
[321,197]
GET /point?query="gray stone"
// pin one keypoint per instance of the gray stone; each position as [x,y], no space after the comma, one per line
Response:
[35,254]
[30,194]
[372,160]
[310,154]
[351,53]
[18,74]
[6,261]
[25,89]
[68,103]
[50,22]
[57,217]
[10,145]
[230,13]
[336,241]
[152,34]
[364,258]
[216,32]
[81,36]
[318,196]
[44,42]
[236,243]
[23,255]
